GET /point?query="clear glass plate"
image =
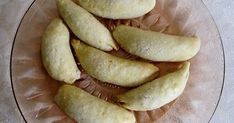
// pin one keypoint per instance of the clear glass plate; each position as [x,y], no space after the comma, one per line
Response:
[34,89]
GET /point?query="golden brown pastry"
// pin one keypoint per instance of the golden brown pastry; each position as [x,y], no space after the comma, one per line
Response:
[112,69]
[156,46]
[85,26]
[118,9]
[157,93]
[85,108]
[56,53]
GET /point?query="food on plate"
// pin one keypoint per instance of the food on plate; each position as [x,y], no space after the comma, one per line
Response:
[157,93]
[156,46]
[85,108]
[118,9]
[85,26]
[112,69]
[56,53]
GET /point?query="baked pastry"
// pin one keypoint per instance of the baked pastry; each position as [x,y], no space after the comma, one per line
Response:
[85,26]
[157,93]
[112,69]
[156,46]
[118,9]
[56,53]
[85,108]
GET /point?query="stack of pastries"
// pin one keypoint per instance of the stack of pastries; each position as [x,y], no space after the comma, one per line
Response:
[91,49]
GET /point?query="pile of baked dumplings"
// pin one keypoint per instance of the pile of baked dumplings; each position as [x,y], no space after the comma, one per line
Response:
[95,40]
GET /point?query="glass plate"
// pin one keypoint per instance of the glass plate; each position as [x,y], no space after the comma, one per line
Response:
[34,90]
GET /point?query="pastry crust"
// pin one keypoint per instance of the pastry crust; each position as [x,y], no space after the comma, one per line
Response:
[85,108]
[112,69]
[156,46]
[118,9]
[56,53]
[85,26]
[157,93]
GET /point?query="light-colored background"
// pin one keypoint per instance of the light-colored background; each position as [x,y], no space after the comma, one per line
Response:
[223,13]
[221,10]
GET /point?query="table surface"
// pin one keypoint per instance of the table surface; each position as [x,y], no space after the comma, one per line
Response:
[221,10]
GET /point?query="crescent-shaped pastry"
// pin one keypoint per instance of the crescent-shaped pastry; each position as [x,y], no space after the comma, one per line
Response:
[85,108]
[56,53]
[118,9]
[85,26]
[157,93]
[112,69]
[156,46]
